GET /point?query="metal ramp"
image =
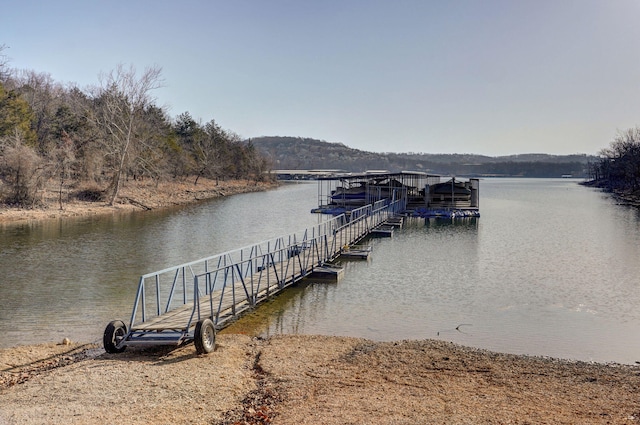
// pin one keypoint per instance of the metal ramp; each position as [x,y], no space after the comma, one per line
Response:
[191,301]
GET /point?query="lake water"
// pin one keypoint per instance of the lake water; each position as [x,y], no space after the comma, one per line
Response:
[551,268]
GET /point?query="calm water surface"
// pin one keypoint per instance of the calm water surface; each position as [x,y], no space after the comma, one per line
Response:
[551,268]
[68,278]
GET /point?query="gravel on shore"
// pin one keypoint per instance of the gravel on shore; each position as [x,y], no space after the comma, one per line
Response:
[301,379]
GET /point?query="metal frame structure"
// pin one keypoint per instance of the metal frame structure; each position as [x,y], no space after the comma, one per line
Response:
[342,194]
[376,185]
[191,301]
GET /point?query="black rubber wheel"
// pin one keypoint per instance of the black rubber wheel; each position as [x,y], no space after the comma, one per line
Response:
[204,336]
[113,334]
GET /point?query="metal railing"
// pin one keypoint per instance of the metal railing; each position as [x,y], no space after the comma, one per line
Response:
[222,286]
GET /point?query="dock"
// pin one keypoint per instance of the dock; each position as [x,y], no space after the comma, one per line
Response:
[396,221]
[192,301]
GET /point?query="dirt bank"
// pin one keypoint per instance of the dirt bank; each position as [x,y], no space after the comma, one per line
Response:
[134,195]
[310,380]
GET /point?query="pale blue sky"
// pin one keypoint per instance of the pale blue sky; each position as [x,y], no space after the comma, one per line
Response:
[488,77]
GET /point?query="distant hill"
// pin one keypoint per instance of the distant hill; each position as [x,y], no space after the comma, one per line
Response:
[298,153]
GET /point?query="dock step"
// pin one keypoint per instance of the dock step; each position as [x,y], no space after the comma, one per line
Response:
[137,337]
[395,221]
[327,273]
[383,231]
[362,253]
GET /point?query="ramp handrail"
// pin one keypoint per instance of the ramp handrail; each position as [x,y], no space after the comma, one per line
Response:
[164,290]
[229,286]
[247,272]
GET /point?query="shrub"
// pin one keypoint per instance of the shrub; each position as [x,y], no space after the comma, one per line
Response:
[22,172]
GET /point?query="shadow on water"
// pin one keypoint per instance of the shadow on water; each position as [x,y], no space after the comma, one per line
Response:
[463,224]
[269,318]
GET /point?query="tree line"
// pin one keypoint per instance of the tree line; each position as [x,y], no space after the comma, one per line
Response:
[90,141]
[618,166]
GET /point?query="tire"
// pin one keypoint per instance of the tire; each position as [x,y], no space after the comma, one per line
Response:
[114,333]
[204,336]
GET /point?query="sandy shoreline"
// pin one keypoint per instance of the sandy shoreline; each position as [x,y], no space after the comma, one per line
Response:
[134,196]
[298,379]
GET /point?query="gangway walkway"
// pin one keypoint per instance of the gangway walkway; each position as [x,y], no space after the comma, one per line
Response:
[191,301]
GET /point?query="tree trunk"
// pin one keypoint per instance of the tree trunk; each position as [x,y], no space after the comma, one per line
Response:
[60,194]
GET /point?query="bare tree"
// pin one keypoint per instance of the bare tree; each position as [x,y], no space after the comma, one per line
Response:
[120,102]
[21,168]
[44,96]
[619,166]
[64,159]
[216,142]
[151,153]
[4,61]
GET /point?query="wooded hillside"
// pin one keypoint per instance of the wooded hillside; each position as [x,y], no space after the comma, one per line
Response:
[89,141]
[304,153]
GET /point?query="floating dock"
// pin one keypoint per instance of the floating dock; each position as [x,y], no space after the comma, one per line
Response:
[356,252]
[396,221]
[383,230]
[190,302]
[327,273]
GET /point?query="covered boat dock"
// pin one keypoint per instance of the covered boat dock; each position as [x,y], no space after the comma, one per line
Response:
[421,194]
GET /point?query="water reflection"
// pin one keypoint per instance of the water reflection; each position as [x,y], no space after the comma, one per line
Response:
[549,269]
